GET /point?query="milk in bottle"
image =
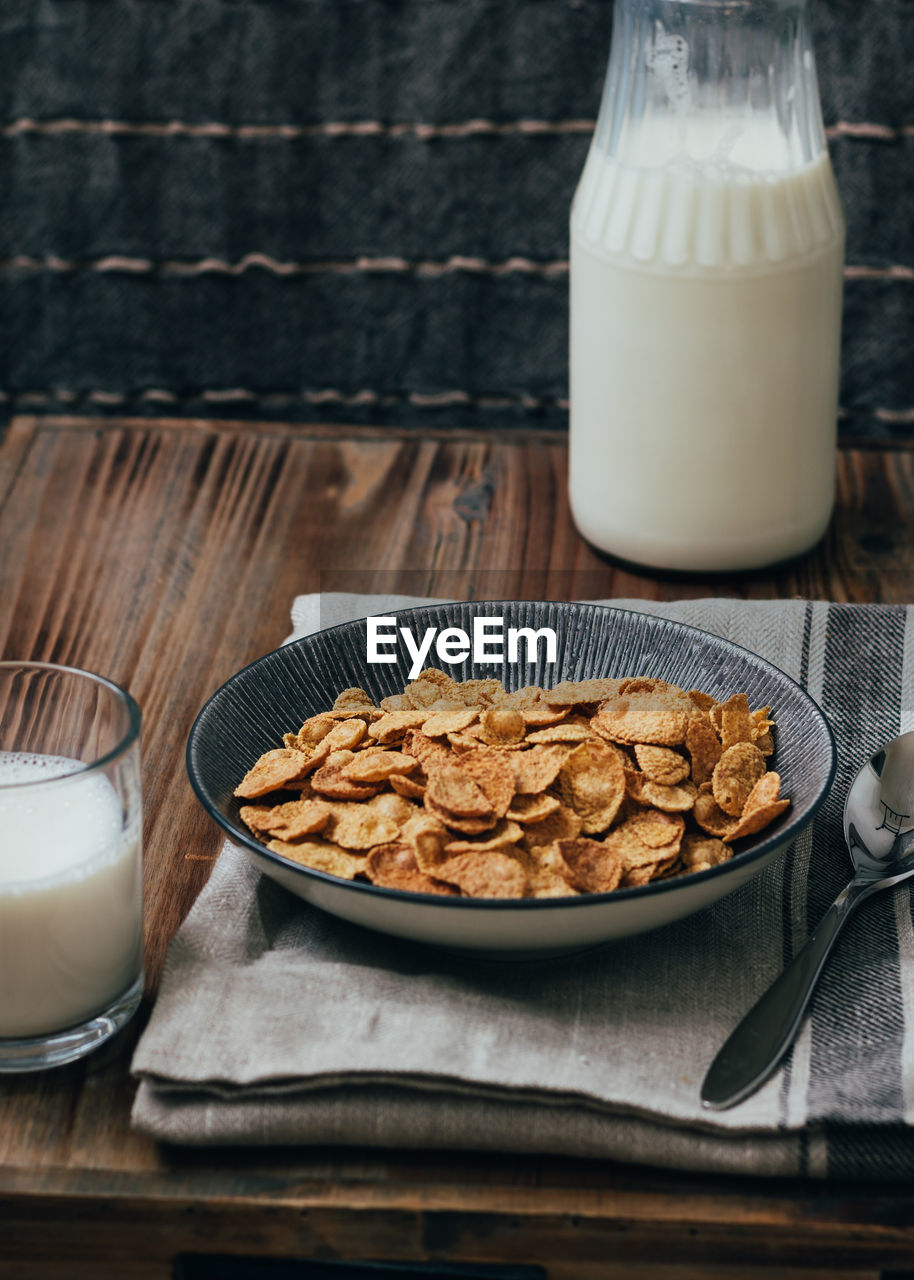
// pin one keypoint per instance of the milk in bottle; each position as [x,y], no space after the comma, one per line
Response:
[707,246]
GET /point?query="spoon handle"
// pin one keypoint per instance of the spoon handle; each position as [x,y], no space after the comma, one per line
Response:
[759,1042]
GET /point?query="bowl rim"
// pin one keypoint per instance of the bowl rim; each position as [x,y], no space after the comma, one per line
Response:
[744,858]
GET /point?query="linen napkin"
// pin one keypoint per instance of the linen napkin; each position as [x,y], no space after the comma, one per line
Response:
[277,1023]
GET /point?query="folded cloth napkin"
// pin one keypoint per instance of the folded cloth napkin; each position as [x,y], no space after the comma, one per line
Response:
[277,1023]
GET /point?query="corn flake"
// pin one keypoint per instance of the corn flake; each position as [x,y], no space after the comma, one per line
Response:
[592,783]
[485,875]
[394,866]
[735,774]
[661,764]
[466,789]
[593,866]
[289,821]
[271,772]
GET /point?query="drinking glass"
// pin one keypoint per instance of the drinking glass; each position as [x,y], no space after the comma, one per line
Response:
[71,921]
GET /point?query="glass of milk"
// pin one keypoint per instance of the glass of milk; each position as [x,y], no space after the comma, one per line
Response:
[71,920]
[707,250]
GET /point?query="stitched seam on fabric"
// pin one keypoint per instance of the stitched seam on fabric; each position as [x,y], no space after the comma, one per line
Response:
[279,399]
[293,132]
[896,272]
[477,127]
[356,266]
[332,395]
[889,416]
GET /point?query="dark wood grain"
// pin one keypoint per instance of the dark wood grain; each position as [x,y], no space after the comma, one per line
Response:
[167,554]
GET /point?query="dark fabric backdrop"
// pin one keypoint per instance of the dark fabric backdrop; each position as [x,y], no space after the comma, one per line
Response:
[357,210]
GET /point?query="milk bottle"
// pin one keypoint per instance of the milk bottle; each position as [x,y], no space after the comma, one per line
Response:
[707,245]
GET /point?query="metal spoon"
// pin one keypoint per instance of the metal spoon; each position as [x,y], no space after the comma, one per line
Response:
[879,830]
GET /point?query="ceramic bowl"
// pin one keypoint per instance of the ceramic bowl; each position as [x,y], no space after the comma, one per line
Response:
[251,712]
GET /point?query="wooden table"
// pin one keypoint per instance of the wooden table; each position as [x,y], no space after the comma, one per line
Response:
[166,554]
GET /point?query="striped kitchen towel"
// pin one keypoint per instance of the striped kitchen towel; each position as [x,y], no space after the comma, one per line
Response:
[277,1023]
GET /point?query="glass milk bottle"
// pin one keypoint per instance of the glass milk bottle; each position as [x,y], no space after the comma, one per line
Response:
[707,248]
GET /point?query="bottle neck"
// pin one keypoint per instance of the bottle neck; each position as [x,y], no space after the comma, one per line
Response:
[721,86]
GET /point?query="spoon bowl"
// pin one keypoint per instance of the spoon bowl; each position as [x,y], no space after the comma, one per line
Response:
[879,811]
[879,830]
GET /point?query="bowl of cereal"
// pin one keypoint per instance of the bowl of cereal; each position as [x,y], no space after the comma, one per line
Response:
[513,777]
